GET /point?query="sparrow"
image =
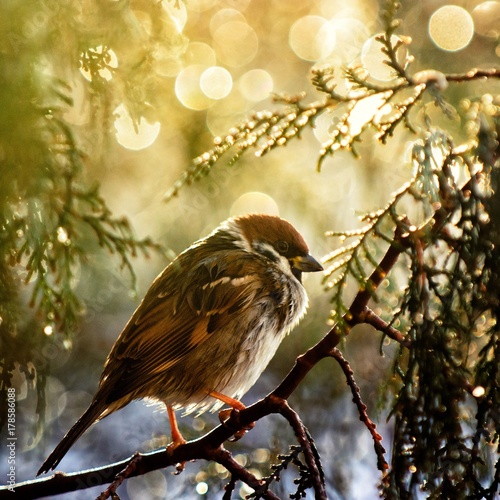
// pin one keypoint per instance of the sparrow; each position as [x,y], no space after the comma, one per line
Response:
[208,325]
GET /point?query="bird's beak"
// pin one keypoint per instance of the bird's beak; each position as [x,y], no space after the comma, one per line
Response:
[306,264]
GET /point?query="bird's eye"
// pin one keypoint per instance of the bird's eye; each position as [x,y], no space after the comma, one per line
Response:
[282,247]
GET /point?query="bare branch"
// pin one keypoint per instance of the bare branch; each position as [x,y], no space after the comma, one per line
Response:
[308,447]
[473,74]
[120,477]
[363,415]
[224,457]
[382,326]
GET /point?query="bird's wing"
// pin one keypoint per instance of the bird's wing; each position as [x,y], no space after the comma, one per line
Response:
[182,309]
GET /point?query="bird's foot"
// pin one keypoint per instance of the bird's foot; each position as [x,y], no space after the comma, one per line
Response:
[233,413]
[180,466]
[177,439]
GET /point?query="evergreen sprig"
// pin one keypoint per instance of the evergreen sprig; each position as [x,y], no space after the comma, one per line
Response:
[51,216]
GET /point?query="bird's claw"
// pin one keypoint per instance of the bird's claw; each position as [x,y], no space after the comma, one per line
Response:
[225,415]
[180,466]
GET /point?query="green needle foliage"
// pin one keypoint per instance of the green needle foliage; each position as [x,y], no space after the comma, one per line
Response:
[50,213]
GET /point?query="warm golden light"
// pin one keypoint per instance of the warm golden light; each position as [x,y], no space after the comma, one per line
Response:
[224,16]
[235,43]
[323,126]
[199,53]
[351,34]
[177,12]
[256,85]
[62,236]
[312,38]
[254,202]
[373,59]
[216,82]
[479,391]
[363,111]
[201,5]
[451,28]
[201,488]
[188,90]
[134,136]
[486,18]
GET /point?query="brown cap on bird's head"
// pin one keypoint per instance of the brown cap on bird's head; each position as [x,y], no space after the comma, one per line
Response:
[284,238]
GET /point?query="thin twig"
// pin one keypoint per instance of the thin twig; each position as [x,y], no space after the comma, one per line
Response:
[120,477]
[224,457]
[363,415]
[305,441]
[371,318]
[229,488]
[473,74]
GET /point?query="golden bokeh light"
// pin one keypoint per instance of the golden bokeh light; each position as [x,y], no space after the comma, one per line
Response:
[312,38]
[224,113]
[216,82]
[351,35]
[199,53]
[479,391]
[323,125]
[256,85]
[364,110]
[166,64]
[201,5]
[254,202]
[202,488]
[451,28]
[188,90]
[235,43]
[152,485]
[224,16]
[486,17]
[134,136]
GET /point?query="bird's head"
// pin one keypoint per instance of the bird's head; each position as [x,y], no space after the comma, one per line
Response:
[277,240]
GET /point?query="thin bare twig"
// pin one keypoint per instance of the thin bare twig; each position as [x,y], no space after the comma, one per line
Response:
[224,457]
[363,415]
[229,488]
[308,447]
[382,326]
[110,491]
[473,74]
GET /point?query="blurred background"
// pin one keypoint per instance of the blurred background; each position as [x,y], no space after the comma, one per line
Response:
[148,85]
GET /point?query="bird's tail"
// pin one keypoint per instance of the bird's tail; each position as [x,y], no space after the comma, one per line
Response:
[92,413]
